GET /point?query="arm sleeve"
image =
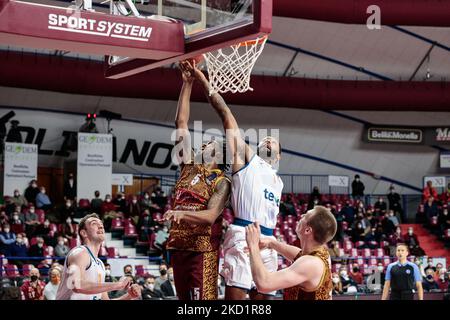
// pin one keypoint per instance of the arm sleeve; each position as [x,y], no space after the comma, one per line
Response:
[417,275]
[388,273]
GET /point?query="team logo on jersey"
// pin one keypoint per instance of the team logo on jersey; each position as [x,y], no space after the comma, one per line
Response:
[195,180]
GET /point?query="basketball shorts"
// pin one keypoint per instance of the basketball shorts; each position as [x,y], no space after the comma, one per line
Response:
[195,274]
[236,269]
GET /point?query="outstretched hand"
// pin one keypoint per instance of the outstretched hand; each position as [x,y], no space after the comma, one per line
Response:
[191,67]
[174,215]
[186,71]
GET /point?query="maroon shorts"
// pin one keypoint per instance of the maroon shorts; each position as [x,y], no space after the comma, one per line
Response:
[195,274]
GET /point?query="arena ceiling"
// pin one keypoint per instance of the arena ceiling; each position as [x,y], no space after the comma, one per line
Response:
[323,51]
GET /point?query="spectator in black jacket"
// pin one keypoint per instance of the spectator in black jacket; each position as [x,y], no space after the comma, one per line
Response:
[315,198]
[357,188]
[168,287]
[149,292]
[31,192]
[395,202]
[70,188]
[380,207]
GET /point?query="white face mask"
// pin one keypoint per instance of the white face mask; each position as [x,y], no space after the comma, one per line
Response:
[46,223]
[61,243]
[380,268]
[15,217]
[146,196]
[150,286]
[108,272]
[343,274]
[40,245]
[335,280]
[43,191]
[134,201]
[19,240]
[68,204]
[6,230]
[108,200]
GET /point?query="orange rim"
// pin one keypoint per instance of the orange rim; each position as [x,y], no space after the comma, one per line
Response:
[253,42]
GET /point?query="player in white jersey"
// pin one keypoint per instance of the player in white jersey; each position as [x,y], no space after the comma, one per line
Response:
[84,273]
[256,192]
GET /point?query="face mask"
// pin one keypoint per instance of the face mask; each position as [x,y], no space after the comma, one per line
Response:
[16,194]
[108,200]
[163,272]
[43,191]
[71,180]
[32,210]
[343,274]
[34,278]
[68,204]
[69,221]
[108,272]
[146,197]
[61,243]
[335,280]
[16,217]
[34,185]
[429,277]
[6,230]
[150,286]
[46,223]
[355,270]
[381,200]
[380,268]
[357,179]
[445,212]
[40,245]
[19,240]
[165,230]
[410,232]
[134,201]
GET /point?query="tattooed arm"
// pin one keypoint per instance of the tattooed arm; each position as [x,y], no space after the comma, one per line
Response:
[208,216]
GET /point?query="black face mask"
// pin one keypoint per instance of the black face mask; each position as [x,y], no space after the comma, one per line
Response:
[355,269]
[34,278]
[163,272]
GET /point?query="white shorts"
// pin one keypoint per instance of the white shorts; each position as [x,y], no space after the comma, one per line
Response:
[236,269]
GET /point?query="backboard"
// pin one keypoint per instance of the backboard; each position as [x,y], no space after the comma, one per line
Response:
[133,35]
[208,25]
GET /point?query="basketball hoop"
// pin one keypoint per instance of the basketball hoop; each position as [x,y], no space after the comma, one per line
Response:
[229,69]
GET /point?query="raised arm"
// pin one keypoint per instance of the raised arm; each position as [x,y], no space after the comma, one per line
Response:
[78,261]
[241,152]
[208,216]
[286,250]
[182,138]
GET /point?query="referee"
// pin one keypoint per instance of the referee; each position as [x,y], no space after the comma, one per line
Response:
[402,277]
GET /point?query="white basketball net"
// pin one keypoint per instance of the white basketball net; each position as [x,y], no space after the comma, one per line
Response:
[229,69]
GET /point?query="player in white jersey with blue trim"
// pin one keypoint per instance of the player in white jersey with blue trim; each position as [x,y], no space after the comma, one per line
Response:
[256,192]
[84,273]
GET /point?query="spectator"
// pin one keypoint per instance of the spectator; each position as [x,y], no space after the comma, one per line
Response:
[429,283]
[429,191]
[45,265]
[43,231]
[19,200]
[431,209]
[388,225]
[17,223]
[128,270]
[357,188]
[393,218]
[96,203]
[70,188]
[315,198]
[370,219]
[61,249]
[348,285]
[394,200]
[348,213]
[380,206]
[146,224]
[163,276]
[42,200]
[121,203]
[161,239]
[443,280]
[159,198]
[337,284]
[7,239]
[66,211]
[444,220]
[108,276]
[52,286]
[439,267]
[3,219]
[412,242]
[31,221]
[37,250]
[418,262]
[19,249]
[370,238]
[446,194]
[67,230]
[149,292]
[33,289]
[356,275]
[146,203]
[108,211]
[31,192]
[168,286]
[134,210]
[358,232]
[430,265]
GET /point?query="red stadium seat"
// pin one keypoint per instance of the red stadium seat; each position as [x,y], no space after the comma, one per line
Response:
[117,224]
[366,253]
[386,261]
[84,204]
[130,231]
[379,253]
[53,227]
[112,252]
[12,271]
[359,261]
[103,252]
[74,242]
[353,252]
